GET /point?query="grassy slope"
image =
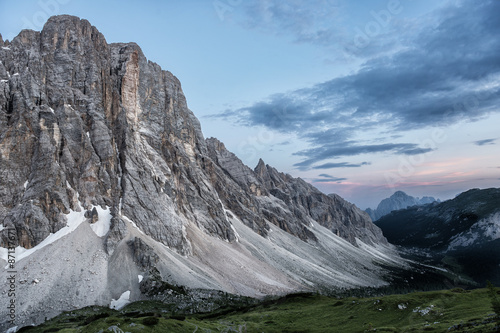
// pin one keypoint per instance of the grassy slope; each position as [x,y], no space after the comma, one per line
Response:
[299,313]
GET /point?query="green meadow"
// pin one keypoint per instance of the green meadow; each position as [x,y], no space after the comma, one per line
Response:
[455,310]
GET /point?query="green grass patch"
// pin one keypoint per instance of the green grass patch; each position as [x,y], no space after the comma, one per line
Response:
[454,310]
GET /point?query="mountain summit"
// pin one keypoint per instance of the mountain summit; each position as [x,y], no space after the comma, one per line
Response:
[399,200]
[108,184]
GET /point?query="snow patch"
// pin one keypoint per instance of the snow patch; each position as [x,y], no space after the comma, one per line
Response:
[227,219]
[101,227]
[25,184]
[12,330]
[2,227]
[132,222]
[120,302]
[74,220]
[140,277]
[6,48]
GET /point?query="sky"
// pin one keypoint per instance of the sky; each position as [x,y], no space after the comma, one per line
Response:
[359,98]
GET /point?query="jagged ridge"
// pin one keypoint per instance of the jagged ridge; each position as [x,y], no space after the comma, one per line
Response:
[92,127]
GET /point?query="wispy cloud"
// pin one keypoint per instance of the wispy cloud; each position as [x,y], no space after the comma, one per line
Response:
[327,24]
[485,142]
[340,165]
[334,150]
[449,72]
[328,179]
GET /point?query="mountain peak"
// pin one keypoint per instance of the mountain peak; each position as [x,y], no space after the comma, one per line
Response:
[100,152]
[398,200]
[399,194]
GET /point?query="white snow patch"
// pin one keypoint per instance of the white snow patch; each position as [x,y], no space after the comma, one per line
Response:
[51,109]
[101,227]
[15,74]
[88,135]
[131,222]
[401,306]
[120,302]
[224,209]
[25,184]
[74,220]
[12,330]
[2,227]
[4,81]
[227,219]
[140,277]
[236,234]
[6,48]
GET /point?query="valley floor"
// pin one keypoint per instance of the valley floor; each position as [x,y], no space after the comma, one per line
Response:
[455,310]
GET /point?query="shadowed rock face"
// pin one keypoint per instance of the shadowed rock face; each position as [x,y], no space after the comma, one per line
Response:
[86,121]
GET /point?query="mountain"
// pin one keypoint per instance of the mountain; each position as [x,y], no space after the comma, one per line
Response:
[110,193]
[461,234]
[399,200]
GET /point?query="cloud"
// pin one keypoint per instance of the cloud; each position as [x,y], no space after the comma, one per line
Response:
[324,152]
[326,175]
[328,25]
[485,142]
[316,22]
[328,179]
[340,165]
[448,72]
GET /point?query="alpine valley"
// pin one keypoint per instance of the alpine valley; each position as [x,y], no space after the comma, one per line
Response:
[109,192]
[461,235]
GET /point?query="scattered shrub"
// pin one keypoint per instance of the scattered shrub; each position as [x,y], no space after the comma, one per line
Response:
[150,321]
[95,317]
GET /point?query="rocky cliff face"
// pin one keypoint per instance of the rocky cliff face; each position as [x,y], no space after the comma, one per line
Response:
[93,136]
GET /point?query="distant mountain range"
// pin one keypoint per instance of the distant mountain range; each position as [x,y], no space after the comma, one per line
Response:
[461,234]
[399,200]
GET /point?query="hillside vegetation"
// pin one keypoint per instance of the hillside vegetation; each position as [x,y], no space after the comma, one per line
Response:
[454,310]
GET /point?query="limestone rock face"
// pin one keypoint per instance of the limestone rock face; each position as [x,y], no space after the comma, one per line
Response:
[80,116]
[95,132]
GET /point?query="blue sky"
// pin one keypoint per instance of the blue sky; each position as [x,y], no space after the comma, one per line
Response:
[359,98]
